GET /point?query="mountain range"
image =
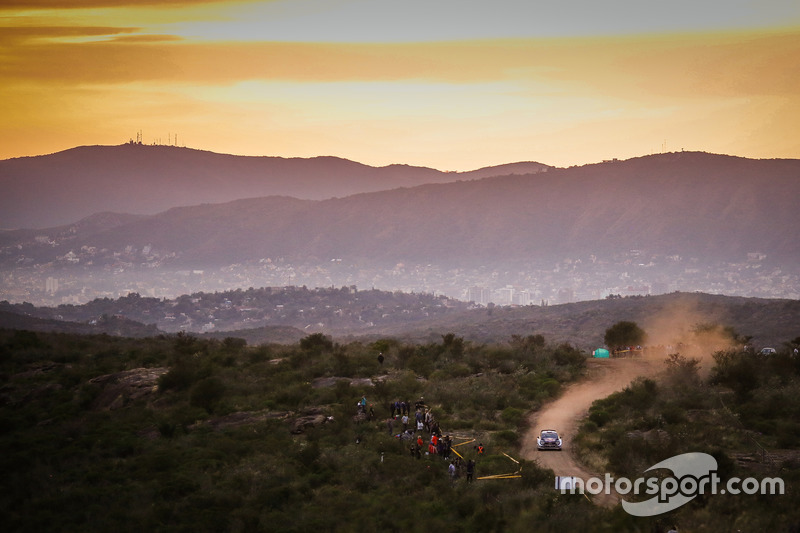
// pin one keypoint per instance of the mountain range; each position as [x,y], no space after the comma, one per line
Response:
[61,188]
[713,207]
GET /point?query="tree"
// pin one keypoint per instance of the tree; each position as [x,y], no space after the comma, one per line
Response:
[453,346]
[317,343]
[624,333]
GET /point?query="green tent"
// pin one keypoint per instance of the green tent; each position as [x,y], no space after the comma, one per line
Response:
[601,352]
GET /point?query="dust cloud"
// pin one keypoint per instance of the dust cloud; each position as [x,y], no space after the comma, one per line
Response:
[684,329]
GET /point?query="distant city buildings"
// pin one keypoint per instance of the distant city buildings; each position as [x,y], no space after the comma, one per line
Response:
[51,286]
[88,272]
[479,295]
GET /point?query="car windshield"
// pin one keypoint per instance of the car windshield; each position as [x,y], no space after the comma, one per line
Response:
[549,435]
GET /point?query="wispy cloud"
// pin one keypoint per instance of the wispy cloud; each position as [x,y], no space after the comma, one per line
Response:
[713,64]
[22,36]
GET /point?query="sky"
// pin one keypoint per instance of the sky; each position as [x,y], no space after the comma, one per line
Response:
[448,84]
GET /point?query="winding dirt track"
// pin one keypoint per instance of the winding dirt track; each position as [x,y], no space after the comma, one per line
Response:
[604,377]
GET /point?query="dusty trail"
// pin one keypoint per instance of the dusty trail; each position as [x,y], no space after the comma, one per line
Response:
[604,377]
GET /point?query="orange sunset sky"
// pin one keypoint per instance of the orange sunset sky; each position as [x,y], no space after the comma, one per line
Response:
[450,84]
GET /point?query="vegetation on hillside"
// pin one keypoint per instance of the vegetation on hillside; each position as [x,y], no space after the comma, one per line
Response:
[226,437]
[332,309]
[177,433]
[290,313]
[743,411]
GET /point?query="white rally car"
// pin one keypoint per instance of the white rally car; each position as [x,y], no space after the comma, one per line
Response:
[548,439]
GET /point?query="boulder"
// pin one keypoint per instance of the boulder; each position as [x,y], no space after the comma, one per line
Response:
[118,389]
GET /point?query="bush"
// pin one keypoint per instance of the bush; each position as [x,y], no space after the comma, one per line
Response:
[181,376]
[512,416]
[534,476]
[599,417]
[673,414]
[316,343]
[737,370]
[207,393]
[639,395]
[567,355]
[506,438]
[421,364]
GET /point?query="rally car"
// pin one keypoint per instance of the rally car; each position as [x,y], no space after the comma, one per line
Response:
[548,439]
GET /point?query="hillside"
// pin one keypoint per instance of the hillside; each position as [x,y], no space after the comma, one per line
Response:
[61,188]
[175,433]
[715,208]
[114,325]
[667,318]
[282,315]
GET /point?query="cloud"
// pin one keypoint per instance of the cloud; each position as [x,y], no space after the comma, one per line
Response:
[644,68]
[146,38]
[24,35]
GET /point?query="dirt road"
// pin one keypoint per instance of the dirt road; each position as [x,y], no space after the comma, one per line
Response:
[604,377]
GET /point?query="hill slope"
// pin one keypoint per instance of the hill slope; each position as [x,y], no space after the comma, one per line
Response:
[667,319]
[285,315]
[712,207]
[66,186]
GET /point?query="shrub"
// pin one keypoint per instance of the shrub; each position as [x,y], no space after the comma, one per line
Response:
[181,375]
[421,364]
[737,370]
[639,395]
[599,417]
[506,438]
[534,475]
[673,414]
[207,393]
[567,355]
[316,343]
[512,416]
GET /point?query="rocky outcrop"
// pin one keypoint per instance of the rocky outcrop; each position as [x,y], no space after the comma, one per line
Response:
[121,388]
[241,418]
[309,419]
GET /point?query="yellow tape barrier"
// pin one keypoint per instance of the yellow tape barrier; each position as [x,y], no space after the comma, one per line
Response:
[511,475]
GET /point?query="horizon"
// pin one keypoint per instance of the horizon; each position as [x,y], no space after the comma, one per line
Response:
[395,163]
[453,86]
